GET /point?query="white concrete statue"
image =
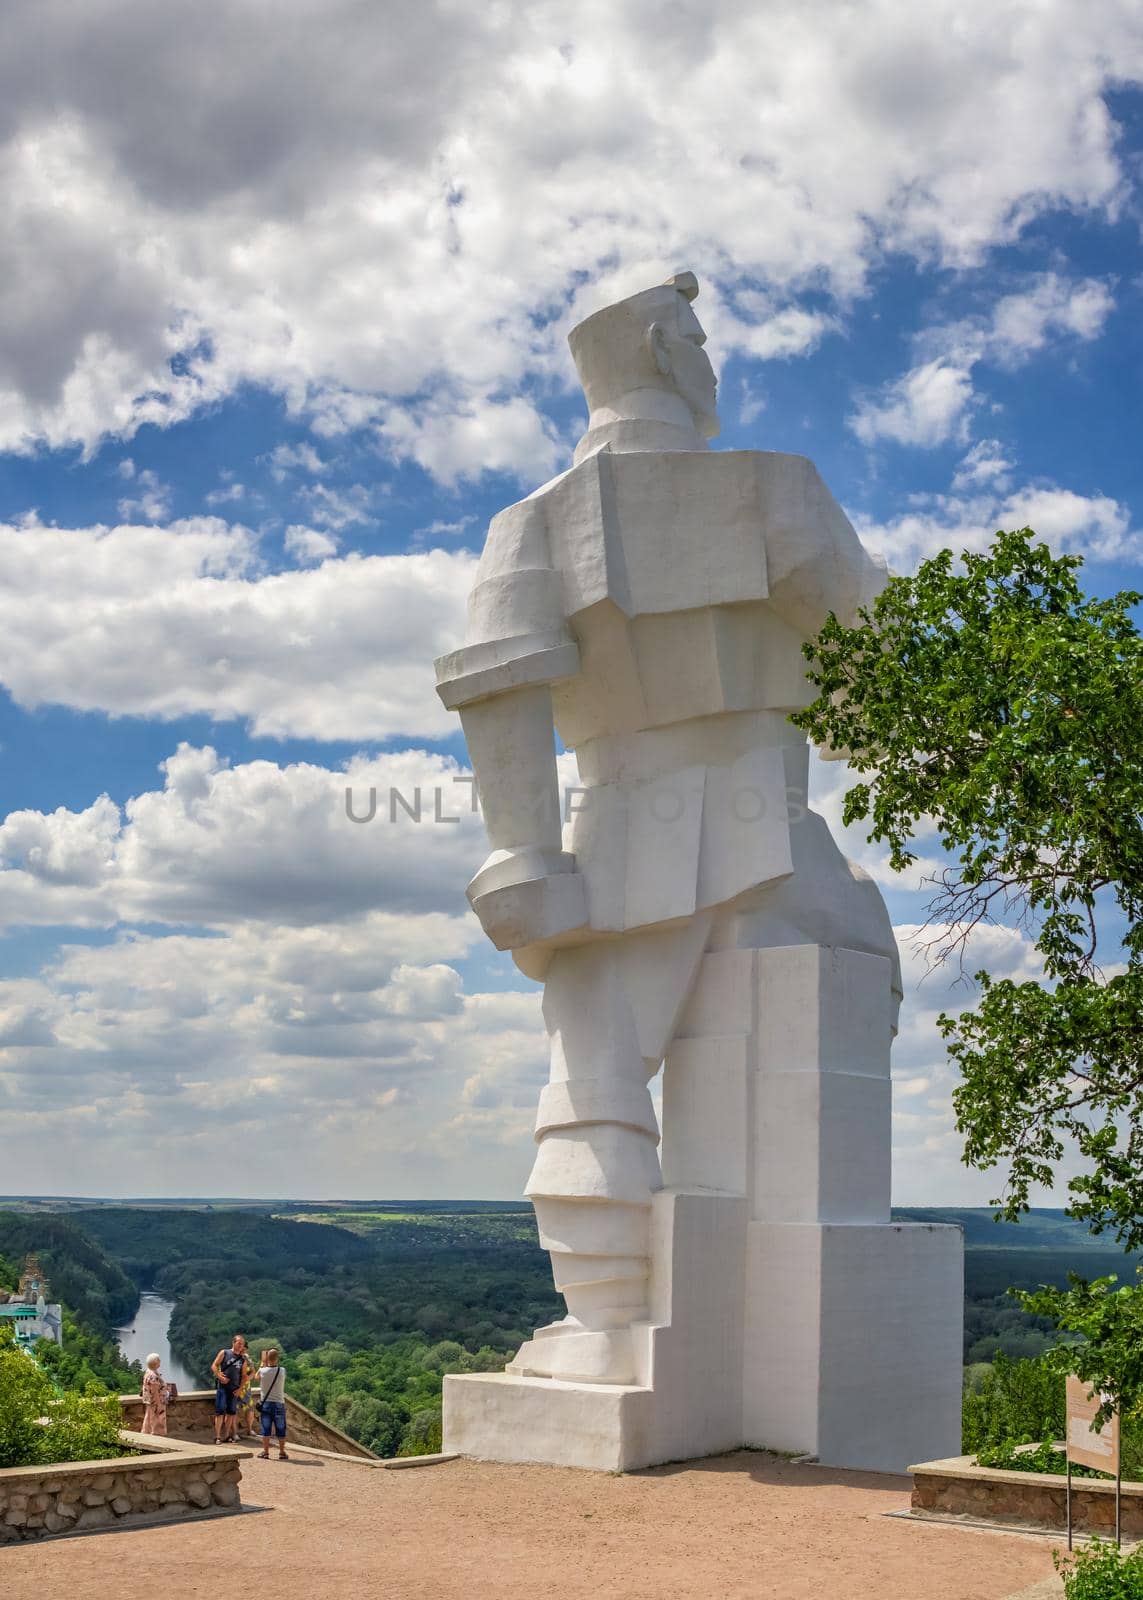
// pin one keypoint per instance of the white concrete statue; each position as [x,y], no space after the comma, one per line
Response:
[651,604]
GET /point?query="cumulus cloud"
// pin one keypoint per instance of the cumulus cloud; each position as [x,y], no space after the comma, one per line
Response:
[932,402]
[219,845]
[926,1145]
[1024,323]
[1094,526]
[984,465]
[388,226]
[287,458]
[348,1049]
[154,497]
[925,406]
[308,544]
[303,987]
[308,986]
[166,622]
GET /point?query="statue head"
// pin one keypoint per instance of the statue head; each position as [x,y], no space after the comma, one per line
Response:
[651,340]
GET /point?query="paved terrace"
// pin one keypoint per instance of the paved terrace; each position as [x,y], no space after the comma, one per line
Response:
[739,1527]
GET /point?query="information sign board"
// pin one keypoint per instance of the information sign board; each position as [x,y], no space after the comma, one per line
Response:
[1086,1448]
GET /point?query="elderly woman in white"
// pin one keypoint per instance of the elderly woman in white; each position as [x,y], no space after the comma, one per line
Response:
[154,1398]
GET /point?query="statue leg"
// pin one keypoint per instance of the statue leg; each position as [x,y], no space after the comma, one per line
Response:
[610,1008]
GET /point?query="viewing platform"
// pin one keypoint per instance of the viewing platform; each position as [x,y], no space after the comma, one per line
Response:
[746,1526]
[191,1416]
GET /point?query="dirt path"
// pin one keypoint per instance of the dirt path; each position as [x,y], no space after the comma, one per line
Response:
[741,1527]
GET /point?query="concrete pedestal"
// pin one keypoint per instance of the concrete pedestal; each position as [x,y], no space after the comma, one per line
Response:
[787,1311]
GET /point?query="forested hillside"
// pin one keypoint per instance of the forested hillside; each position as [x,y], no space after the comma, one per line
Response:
[82,1275]
[368,1321]
[94,1290]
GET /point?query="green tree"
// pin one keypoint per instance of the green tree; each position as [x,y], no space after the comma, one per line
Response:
[996,703]
[40,1424]
[1011,1402]
[376,1423]
[422,1436]
[1108,1319]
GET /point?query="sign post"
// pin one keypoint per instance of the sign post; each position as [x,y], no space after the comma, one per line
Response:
[1087,1448]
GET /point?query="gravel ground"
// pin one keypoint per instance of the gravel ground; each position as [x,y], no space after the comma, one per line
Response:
[739,1527]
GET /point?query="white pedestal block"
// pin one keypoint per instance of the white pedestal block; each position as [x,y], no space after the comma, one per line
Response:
[853,1341]
[501,1416]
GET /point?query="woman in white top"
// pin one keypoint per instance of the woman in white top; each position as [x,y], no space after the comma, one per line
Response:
[272,1383]
[154,1398]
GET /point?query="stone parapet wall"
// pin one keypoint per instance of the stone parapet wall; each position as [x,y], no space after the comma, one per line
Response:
[170,1479]
[956,1487]
[191,1416]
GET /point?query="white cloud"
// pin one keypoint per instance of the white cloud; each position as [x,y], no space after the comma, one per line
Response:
[932,402]
[337,508]
[219,845]
[1023,323]
[154,498]
[309,544]
[461,439]
[449,530]
[349,1048]
[925,406]
[387,224]
[985,465]
[760,327]
[326,1007]
[1094,526]
[287,458]
[166,622]
[227,493]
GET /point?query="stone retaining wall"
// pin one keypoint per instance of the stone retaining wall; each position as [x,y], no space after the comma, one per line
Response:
[191,1416]
[170,1479]
[957,1487]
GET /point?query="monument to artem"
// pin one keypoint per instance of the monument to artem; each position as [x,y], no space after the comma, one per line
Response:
[686,909]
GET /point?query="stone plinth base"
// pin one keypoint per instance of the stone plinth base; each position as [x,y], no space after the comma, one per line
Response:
[498,1416]
[786,1311]
[847,1348]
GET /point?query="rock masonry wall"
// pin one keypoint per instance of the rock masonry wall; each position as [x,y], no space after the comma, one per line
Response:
[167,1482]
[959,1488]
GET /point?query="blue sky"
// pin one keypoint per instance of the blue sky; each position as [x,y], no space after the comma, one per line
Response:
[284,326]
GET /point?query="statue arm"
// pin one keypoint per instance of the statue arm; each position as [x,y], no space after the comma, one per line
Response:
[527,890]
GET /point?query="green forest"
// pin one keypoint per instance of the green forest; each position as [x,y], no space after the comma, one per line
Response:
[370,1310]
[372,1304]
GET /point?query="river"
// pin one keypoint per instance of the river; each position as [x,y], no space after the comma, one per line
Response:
[147,1336]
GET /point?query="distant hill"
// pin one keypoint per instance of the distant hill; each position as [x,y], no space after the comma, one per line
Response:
[1041,1229]
[149,1242]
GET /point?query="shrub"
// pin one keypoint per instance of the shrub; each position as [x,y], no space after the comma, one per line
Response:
[1022,1402]
[1101,1572]
[39,1425]
[1045,1457]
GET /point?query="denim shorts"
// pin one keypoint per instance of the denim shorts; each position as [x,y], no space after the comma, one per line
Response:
[225,1401]
[274,1417]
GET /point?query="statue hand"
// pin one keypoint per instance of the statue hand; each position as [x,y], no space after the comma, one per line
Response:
[530,896]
